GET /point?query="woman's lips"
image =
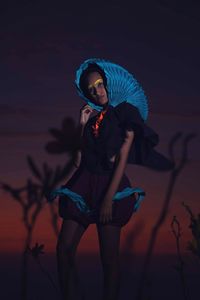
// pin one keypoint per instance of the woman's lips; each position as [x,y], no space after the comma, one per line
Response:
[100,97]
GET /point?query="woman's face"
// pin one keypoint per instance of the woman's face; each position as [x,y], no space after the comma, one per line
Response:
[96,89]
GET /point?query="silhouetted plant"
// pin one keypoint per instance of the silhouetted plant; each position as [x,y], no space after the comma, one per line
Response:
[67,138]
[36,252]
[164,211]
[32,196]
[194,245]
[180,267]
[48,179]
[31,201]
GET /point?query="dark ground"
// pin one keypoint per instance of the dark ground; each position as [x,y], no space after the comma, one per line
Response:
[163,283]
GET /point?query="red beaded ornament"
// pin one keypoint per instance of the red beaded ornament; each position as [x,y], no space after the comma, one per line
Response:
[99,119]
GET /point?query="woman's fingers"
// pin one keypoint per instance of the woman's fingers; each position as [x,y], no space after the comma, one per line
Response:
[105,216]
[85,113]
[86,108]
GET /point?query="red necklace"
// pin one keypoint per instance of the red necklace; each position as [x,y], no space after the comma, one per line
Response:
[99,119]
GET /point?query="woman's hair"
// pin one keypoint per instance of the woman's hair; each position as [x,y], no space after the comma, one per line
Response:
[83,79]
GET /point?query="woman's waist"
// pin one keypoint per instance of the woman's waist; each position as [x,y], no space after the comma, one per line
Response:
[97,167]
[95,176]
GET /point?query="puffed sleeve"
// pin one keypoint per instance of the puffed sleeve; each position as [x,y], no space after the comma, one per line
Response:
[142,151]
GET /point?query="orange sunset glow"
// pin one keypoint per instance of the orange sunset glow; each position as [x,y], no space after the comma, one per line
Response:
[42,45]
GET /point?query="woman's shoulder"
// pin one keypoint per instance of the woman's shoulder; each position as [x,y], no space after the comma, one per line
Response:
[127,113]
[126,108]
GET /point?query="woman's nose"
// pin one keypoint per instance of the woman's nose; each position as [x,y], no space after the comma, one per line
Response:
[96,91]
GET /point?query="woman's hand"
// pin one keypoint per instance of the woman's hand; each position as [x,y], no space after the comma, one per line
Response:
[85,113]
[106,210]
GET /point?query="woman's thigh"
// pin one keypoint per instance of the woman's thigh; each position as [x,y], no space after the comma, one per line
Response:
[109,241]
[70,235]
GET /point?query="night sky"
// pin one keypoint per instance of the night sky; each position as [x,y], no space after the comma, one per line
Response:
[42,45]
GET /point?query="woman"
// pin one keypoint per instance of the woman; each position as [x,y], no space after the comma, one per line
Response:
[97,189]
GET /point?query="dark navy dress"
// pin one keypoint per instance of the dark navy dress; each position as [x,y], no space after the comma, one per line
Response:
[92,178]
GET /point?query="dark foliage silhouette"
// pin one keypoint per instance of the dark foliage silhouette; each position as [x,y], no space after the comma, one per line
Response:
[66,139]
[31,201]
[33,194]
[47,180]
[180,267]
[194,245]
[165,207]
[36,252]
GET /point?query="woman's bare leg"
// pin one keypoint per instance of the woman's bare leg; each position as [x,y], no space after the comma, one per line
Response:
[109,242]
[69,237]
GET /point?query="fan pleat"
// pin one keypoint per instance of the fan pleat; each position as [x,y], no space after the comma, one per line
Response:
[121,86]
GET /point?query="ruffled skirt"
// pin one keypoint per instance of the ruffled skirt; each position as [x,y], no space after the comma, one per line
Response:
[92,188]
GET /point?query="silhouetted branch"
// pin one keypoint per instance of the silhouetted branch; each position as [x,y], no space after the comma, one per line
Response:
[172,143]
[15,193]
[194,245]
[31,201]
[32,196]
[36,252]
[66,139]
[174,174]
[34,168]
[176,230]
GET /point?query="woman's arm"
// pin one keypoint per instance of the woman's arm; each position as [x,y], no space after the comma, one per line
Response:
[120,164]
[76,160]
[106,208]
[85,113]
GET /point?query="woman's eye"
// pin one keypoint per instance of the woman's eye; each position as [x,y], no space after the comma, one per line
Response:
[91,90]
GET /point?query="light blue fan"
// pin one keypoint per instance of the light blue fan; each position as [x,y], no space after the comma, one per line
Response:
[121,86]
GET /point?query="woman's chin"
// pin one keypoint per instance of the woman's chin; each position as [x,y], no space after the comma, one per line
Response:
[102,102]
